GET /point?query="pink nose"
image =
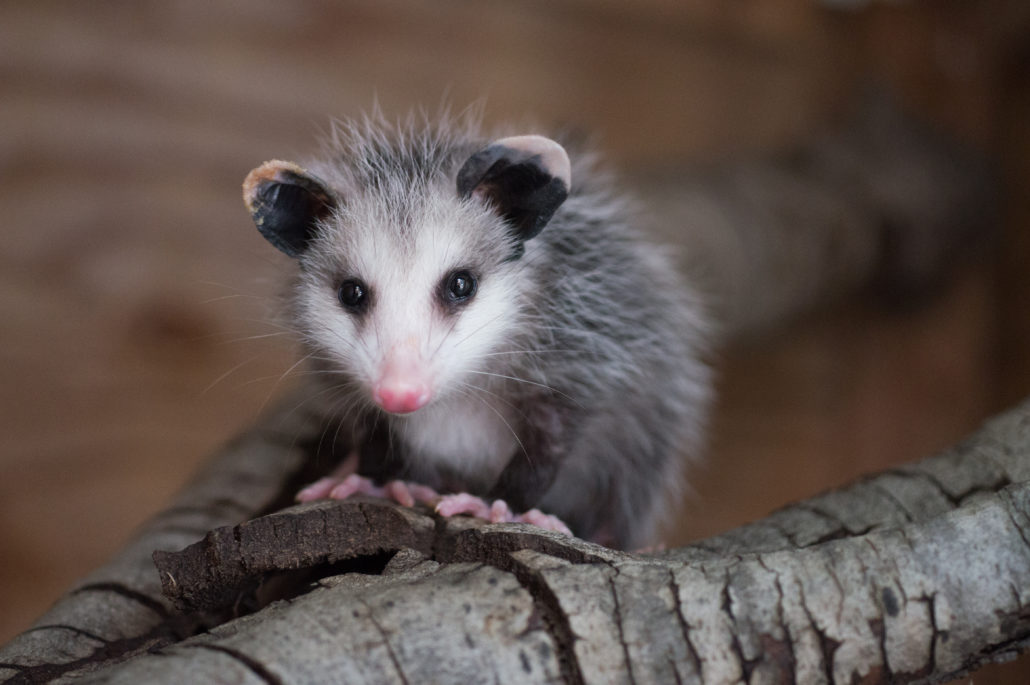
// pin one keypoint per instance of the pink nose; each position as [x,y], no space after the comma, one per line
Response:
[400,398]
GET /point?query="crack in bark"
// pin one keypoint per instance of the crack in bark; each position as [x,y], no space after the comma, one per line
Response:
[918,471]
[839,531]
[920,474]
[252,664]
[73,629]
[622,635]
[386,642]
[554,620]
[788,640]
[1001,447]
[787,535]
[879,631]
[1009,504]
[827,645]
[684,627]
[1015,596]
[996,653]
[747,666]
[832,574]
[162,635]
[124,591]
[835,522]
[935,632]
[876,485]
[675,672]
[839,534]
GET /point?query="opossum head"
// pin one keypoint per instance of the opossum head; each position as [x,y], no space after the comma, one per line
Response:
[412,279]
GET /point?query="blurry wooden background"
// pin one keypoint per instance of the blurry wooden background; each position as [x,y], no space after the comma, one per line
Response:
[132,283]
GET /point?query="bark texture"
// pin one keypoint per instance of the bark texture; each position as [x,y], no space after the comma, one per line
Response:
[914,575]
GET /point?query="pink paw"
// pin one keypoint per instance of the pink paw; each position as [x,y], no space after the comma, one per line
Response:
[408,494]
[497,512]
[335,487]
[545,521]
[464,503]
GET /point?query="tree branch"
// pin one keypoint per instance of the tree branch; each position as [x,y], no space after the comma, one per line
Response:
[918,574]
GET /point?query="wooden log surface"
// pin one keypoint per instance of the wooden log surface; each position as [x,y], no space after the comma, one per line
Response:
[915,575]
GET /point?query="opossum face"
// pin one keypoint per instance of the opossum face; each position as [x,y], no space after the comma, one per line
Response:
[409,289]
[410,309]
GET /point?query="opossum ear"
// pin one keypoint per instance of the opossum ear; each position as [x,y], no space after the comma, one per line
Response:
[526,178]
[285,202]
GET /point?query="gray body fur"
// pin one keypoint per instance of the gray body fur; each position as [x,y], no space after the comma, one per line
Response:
[593,343]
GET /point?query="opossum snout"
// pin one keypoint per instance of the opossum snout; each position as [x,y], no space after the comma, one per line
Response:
[403,385]
[401,398]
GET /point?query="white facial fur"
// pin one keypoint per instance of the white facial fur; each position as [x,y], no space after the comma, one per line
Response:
[403,257]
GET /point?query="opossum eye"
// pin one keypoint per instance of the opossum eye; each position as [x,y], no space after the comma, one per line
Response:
[459,286]
[353,295]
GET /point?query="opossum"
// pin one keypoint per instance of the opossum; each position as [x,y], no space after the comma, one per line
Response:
[487,317]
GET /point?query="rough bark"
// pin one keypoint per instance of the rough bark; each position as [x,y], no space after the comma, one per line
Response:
[914,575]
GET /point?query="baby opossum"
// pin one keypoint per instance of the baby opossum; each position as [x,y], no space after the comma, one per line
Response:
[487,318]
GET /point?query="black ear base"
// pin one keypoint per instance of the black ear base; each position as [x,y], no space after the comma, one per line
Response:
[526,178]
[286,202]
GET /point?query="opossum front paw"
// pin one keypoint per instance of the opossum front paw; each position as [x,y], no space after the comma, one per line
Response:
[333,487]
[320,489]
[497,511]
[408,494]
[336,487]
[545,521]
[464,503]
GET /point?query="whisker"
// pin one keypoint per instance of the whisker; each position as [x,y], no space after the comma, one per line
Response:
[497,397]
[529,382]
[227,374]
[501,417]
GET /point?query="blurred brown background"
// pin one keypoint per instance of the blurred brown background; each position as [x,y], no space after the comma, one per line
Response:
[132,283]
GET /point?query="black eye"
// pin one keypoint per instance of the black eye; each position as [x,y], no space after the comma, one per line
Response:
[353,295]
[459,286]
